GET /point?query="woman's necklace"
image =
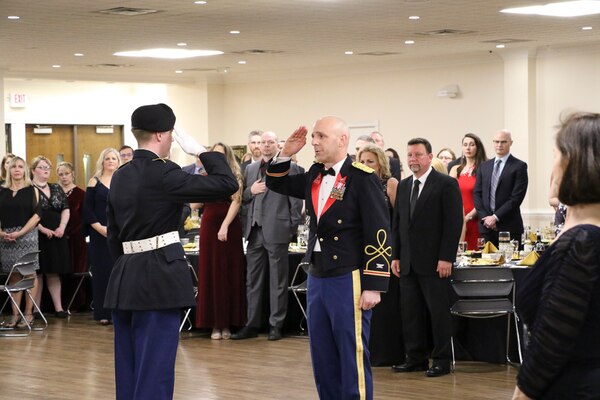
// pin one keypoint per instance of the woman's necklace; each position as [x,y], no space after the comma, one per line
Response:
[41,187]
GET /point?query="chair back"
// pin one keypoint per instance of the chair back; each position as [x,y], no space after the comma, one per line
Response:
[25,266]
[482,282]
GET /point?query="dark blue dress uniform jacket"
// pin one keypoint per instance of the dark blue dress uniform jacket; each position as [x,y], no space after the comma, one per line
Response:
[353,232]
[145,200]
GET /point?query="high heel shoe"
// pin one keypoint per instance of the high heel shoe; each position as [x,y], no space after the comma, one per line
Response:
[23,324]
[12,323]
[216,334]
[226,334]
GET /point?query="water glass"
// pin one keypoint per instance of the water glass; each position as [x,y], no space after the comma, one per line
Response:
[480,243]
[504,237]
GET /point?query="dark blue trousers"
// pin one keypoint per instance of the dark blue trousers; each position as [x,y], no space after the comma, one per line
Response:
[145,350]
[339,334]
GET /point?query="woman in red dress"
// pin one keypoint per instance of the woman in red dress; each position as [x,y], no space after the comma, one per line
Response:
[74,229]
[465,172]
[221,301]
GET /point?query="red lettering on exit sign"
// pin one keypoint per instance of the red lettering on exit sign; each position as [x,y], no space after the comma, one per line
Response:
[18,100]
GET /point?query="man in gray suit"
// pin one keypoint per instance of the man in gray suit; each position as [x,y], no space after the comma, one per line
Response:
[271,221]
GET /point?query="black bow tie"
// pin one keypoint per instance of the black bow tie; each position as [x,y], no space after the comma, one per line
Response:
[329,171]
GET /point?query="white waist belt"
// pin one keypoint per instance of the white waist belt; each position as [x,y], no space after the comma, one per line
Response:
[153,243]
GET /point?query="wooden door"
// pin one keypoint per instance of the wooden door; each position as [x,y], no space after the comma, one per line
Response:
[89,145]
[55,142]
[77,144]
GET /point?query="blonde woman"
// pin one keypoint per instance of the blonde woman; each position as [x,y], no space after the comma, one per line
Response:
[20,212]
[54,247]
[4,166]
[374,157]
[95,218]
[221,279]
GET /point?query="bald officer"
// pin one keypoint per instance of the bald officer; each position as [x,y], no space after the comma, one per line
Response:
[349,249]
[150,281]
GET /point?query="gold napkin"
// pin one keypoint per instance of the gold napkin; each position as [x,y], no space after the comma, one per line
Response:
[530,259]
[533,237]
[489,248]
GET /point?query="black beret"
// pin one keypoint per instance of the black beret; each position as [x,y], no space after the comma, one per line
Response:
[153,118]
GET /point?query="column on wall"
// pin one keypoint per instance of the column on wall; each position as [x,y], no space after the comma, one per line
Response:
[2,120]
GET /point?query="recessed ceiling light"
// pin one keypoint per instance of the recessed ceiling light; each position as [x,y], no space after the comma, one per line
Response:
[241,62]
[179,71]
[78,54]
[562,9]
[586,28]
[168,53]
[500,46]
[409,42]
[349,53]
[234,32]
[13,17]
[181,44]
[56,66]
[200,2]
[414,17]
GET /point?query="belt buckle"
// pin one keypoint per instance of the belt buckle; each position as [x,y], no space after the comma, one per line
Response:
[156,238]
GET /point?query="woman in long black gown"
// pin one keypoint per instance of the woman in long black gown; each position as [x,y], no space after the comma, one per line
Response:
[95,217]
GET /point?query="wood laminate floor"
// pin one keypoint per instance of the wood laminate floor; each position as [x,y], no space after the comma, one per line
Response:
[73,359]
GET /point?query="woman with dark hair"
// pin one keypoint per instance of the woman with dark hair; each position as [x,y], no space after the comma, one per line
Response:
[559,300]
[465,173]
[221,278]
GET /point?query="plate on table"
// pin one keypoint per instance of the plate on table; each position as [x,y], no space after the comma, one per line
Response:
[482,262]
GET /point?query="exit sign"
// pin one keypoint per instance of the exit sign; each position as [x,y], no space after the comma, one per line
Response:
[18,100]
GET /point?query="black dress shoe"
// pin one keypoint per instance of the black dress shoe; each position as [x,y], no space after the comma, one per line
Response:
[274,333]
[246,332]
[437,370]
[61,314]
[410,367]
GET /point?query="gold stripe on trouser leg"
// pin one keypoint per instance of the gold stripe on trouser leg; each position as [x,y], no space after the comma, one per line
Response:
[360,366]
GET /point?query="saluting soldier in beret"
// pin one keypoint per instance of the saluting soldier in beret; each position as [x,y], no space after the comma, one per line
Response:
[150,281]
[349,250]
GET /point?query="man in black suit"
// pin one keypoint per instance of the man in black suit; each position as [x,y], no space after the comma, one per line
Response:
[349,251]
[150,281]
[426,228]
[499,191]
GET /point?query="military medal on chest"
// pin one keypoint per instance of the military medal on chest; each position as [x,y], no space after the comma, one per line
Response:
[339,187]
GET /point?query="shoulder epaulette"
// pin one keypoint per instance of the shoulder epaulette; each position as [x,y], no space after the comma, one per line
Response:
[362,167]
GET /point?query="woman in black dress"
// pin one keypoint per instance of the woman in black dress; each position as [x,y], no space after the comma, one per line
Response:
[54,247]
[95,217]
[559,300]
[20,212]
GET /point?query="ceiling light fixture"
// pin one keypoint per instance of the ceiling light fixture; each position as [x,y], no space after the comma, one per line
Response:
[562,9]
[168,53]
[234,32]
[15,17]
[78,54]
[414,17]
[348,53]
[500,46]
[586,28]
[241,62]
[409,42]
[200,2]
[178,71]
[181,44]
[56,66]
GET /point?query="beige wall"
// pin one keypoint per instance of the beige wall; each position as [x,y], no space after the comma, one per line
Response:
[401,97]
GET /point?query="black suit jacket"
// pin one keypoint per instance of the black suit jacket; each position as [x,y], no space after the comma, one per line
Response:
[433,232]
[510,192]
[353,231]
[145,200]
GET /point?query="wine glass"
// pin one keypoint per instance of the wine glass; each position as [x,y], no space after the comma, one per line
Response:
[480,243]
[504,237]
